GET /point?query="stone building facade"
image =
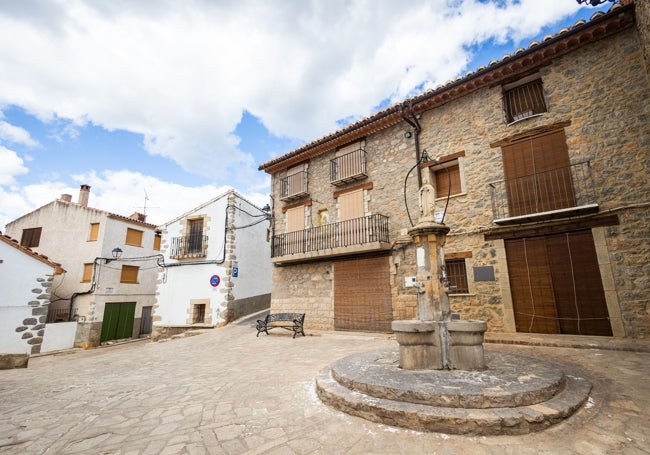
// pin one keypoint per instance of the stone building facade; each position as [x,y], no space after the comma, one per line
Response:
[574,260]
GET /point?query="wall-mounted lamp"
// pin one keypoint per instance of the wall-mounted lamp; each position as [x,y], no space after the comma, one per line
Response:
[425,156]
[117,253]
[407,134]
[267,211]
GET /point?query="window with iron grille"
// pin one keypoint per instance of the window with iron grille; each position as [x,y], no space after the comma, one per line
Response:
[524,98]
[31,237]
[457,276]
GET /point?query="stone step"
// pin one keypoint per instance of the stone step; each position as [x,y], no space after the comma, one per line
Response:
[510,380]
[455,420]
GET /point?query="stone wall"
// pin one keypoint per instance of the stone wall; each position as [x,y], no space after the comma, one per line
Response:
[305,288]
[242,307]
[642,11]
[32,328]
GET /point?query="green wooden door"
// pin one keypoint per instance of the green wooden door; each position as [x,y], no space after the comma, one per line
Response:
[118,321]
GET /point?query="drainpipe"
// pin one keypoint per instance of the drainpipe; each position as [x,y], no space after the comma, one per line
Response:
[415,124]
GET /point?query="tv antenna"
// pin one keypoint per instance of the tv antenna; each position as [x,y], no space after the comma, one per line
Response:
[144,207]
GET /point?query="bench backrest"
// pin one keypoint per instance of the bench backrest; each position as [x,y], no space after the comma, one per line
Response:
[285,317]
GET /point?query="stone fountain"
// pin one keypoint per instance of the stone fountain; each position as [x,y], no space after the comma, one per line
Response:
[434,340]
[440,379]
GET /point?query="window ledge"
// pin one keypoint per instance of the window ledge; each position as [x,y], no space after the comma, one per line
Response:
[524,118]
[462,295]
[451,196]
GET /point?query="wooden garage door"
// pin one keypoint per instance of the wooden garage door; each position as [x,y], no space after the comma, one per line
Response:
[362,299]
[556,286]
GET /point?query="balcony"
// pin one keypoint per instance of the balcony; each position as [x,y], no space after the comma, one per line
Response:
[348,168]
[359,235]
[189,246]
[557,193]
[293,187]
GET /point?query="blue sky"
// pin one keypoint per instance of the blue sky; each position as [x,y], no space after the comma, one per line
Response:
[182,100]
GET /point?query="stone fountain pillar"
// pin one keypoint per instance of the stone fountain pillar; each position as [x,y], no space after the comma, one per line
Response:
[434,341]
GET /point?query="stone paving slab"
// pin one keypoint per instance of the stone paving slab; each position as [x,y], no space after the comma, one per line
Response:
[228,392]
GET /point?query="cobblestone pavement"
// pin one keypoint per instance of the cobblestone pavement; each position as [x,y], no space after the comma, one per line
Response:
[226,391]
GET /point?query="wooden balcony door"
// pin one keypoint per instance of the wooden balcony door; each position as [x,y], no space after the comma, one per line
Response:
[351,213]
[537,173]
[295,230]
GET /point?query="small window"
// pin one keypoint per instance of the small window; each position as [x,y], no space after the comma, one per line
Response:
[94,232]
[447,175]
[129,274]
[457,276]
[31,237]
[323,217]
[524,98]
[198,314]
[133,237]
[88,273]
[448,181]
[156,241]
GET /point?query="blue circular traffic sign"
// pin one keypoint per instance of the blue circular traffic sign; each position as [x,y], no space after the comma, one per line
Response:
[215,280]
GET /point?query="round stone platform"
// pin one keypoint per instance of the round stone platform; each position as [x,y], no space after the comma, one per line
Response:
[515,395]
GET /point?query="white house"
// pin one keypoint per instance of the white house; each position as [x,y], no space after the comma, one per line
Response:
[25,279]
[111,298]
[217,266]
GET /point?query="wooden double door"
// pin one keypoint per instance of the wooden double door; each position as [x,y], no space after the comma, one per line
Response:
[556,285]
[118,321]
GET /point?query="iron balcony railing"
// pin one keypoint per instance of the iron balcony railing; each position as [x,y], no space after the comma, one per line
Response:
[60,315]
[556,190]
[189,246]
[358,231]
[293,186]
[348,167]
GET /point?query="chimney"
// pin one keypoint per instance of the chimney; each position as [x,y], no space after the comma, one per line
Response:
[66,198]
[84,192]
[139,216]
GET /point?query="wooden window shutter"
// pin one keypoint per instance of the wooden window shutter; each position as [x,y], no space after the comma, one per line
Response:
[31,238]
[129,274]
[443,179]
[156,242]
[296,219]
[133,237]
[351,205]
[94,232]
[88,272]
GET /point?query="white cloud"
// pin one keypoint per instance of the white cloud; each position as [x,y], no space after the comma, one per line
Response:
[11,165]
[182,73]
[15,134]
